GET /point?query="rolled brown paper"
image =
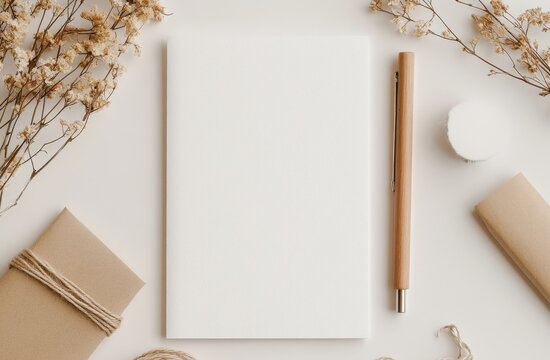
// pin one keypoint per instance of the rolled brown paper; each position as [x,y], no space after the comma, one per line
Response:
[518,218]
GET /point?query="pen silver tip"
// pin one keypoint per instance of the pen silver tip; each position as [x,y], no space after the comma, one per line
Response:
[401,300]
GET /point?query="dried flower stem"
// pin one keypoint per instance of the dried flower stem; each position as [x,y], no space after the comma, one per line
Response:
[508,35]
[71,64]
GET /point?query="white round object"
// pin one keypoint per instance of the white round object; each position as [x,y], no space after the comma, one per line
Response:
[477,130]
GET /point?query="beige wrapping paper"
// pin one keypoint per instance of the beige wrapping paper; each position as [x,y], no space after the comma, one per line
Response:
[36,323]
[519,219]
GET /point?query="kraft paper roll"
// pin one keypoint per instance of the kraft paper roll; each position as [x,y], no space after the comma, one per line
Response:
[519,219]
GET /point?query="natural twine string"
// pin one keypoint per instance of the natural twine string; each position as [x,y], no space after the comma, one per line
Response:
[464,352]
[163,354]
[43,272]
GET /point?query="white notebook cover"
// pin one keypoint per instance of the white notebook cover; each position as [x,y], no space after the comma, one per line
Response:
[267,187]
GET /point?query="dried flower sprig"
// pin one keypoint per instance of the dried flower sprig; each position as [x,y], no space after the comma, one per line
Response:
[512,37]
[66,69]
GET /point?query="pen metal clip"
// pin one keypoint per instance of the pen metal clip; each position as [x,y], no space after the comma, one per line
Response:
[394,155]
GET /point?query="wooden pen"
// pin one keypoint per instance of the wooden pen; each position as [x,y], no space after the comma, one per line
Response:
[402,174]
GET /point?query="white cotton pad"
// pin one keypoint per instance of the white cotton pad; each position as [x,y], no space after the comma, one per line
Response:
[477,130]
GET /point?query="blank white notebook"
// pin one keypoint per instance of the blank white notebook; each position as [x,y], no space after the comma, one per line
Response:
[267,187]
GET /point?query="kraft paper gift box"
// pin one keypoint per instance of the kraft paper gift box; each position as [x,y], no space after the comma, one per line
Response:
[518,218]
[38,324]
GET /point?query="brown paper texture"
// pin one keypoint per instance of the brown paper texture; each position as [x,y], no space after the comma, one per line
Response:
[36,323]
[519,219]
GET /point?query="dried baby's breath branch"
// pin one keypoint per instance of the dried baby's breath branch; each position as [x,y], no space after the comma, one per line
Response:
[513,37]
[67,67]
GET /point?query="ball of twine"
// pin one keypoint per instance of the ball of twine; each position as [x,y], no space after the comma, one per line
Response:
[165,354]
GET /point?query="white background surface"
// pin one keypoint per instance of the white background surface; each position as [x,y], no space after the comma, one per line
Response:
[112,178]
